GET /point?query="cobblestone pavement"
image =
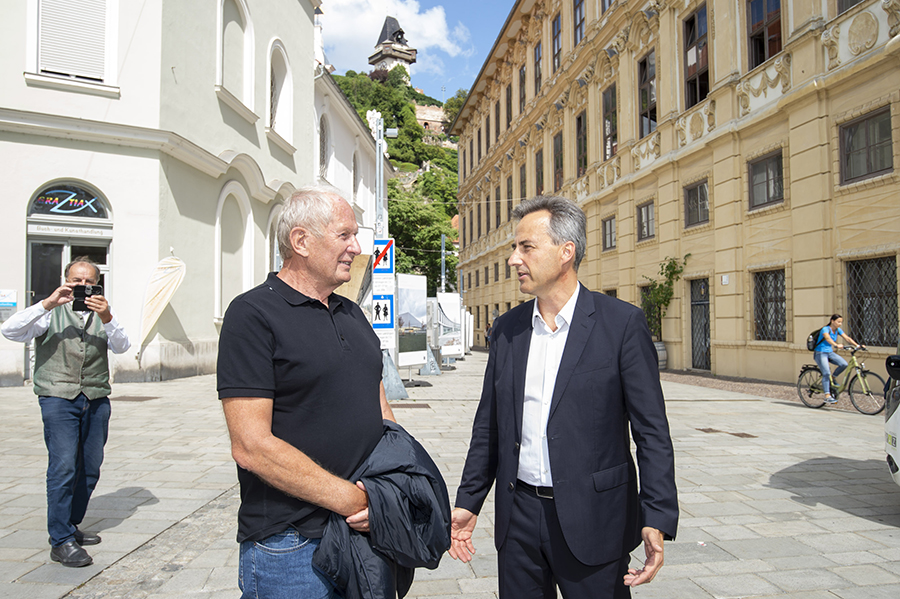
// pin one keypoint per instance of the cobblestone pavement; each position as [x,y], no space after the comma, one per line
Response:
[777,500]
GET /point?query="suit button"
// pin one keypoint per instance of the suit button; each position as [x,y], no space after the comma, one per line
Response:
[512,487]
[517,447]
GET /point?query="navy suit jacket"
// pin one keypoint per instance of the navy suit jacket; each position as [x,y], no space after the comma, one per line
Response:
[607,380]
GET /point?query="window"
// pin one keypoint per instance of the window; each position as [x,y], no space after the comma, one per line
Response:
[581,159]
[523,182]
[471,224]
[464,163]
[72,40]
[647,90]
[611,292]
[477,274]
[478,213]
[696,58]
[463,231]
[539,172]
[556,29]
[610,123]
[508,269]
[478,139]
[579,20]
[471,157]
[496,271]
[355,175]
[696,204]
[537,68]
[764,20]
[487,213]
[324,144]
[609,233]
[845,5]
[497,207]
[646,229]
[557,161]
[487,133]
[769,316]
[497,120]
[522,89]
[766,183]
[872,301]
[509,197]
[486,281]
[469,282]
[866,147]
[508,105]
[281,89]
[234,60]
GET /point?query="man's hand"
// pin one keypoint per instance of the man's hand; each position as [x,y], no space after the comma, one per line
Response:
[462,523]
[653,548]
[61,295]
[360,520]
[98,304]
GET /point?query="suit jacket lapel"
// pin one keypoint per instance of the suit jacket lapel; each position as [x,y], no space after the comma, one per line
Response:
[520,344]
[579,332]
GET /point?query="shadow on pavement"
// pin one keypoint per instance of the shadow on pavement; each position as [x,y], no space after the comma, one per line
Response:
[114,508]
[862,488]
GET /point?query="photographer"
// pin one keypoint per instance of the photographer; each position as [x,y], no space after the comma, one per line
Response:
[71,380]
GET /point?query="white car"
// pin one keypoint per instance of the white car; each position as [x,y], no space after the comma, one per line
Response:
[892,416]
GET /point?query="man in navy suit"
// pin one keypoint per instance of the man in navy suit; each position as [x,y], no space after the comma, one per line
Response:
[567,375]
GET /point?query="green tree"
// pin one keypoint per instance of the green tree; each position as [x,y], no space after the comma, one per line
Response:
[453,105]
[659,293]
[416,226]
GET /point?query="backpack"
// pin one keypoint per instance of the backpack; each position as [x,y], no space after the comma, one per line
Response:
[813,340]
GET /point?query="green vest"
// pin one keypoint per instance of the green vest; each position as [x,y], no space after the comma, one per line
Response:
[70,359]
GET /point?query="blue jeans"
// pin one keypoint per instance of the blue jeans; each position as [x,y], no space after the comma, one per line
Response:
[280,567]
[822,359]
[75,431]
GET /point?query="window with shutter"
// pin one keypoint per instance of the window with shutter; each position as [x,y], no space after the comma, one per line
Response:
[72,38]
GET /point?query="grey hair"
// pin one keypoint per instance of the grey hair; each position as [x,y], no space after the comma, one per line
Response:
[83,260]
[311,208]
[567,221]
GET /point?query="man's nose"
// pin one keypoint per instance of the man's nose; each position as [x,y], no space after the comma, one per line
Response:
[355,249]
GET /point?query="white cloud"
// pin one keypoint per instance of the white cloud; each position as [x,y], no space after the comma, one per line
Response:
[350,29]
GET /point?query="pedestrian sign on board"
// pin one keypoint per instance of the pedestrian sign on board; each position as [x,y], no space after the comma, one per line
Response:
[384,256]
[382,311]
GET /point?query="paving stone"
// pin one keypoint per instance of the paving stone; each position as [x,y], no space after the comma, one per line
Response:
[738,585]
[806,579]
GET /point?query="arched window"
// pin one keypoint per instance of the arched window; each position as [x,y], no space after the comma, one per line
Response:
[235,58]
[68,199]
[324,143]
[233,245]
[281,93]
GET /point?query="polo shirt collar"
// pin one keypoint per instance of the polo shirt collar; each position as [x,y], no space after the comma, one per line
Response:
[294,297]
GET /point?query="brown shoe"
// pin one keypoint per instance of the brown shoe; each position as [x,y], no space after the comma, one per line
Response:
[71,555]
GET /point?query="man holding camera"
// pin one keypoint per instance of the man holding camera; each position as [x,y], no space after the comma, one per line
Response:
[71,380]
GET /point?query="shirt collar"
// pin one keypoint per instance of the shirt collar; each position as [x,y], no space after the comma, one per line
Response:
[294,297]
[565,315]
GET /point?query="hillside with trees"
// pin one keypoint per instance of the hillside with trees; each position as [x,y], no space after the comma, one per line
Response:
[422,197]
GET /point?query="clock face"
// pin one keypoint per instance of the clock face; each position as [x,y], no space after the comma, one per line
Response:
[383,65]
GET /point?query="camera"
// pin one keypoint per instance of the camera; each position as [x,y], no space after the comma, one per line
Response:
[80,292]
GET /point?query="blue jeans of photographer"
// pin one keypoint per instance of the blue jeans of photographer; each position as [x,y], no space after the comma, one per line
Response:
[75,431]
[822,359]
[280,567]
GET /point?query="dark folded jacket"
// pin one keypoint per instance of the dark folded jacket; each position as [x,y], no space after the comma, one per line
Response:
[409,522]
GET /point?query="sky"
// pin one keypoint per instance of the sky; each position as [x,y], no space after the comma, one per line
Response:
[452,37]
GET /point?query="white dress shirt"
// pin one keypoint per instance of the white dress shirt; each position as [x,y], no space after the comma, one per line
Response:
[34,321]
[544,356]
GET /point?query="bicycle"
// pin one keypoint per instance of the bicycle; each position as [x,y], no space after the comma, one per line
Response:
[864,397]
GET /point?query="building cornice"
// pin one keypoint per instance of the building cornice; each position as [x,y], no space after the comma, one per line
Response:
[130,136]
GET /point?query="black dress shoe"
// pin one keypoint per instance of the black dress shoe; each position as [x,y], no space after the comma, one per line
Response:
[71,555]
[86,538]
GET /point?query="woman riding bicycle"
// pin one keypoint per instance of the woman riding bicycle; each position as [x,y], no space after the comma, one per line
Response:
[828,337]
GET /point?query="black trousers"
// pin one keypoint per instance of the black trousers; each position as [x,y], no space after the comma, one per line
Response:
[535,559]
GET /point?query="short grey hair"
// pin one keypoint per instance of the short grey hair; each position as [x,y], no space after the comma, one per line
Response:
[567,221]
[311,208]
[83,260]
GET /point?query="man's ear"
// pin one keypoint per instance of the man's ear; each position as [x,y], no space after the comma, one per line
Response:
[299,237]
[567,252]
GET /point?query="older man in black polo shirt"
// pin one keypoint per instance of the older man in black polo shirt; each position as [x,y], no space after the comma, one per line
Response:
[299,376]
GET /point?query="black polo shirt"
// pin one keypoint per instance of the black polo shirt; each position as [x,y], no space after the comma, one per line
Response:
[322,367]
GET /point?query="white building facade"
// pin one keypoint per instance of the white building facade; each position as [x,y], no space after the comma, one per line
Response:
[135,132]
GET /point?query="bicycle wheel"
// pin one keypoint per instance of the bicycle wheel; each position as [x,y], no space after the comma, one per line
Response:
[868,398]
[809,388]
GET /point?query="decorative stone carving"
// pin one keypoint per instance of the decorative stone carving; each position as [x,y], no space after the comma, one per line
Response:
[620,42]
[696,125]
[582,188]
[609,173]
[745,89]
[643,27]
[646,152]
[696,122]
[863,33]
[830,39]
[892,8]
[680,126]
[710,111]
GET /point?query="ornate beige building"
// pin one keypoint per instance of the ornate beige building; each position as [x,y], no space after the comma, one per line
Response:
[760,137]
